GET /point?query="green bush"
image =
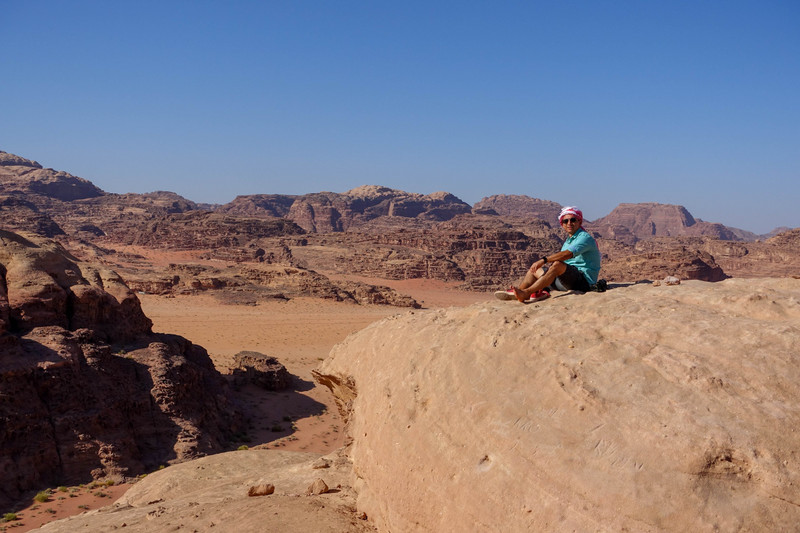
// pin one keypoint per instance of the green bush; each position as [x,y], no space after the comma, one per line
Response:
[43,496]
[9,517]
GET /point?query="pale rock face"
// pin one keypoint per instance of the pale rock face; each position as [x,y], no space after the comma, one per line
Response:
[644,408]
[247,491]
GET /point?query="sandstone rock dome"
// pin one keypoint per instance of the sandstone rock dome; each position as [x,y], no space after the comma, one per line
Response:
[640,409]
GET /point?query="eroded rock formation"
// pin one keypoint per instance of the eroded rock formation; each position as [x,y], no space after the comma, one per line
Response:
[88,390]
[639,409]
[630,223]
[519,206]
[20,175]
[330,212]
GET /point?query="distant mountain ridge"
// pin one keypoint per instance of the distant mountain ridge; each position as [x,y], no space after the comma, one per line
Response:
[26,188]
[329,211]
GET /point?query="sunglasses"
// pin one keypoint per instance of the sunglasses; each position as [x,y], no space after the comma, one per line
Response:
[569,220]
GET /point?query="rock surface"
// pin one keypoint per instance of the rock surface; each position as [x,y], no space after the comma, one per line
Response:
[88,390]
[20,175]
[654,258]
[263,370]
[519,206]
[643,408]
[331,212]
[211,494]
[633,222]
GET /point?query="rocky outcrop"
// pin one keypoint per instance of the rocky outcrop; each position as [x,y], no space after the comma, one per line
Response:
[259,206]
[46,286]
[199,230]
[334,212]
[629,223]
[302,282]
[89,391]
[519,206]
[22,176]
[18,214]
[639,409]
[775,257]
[250,283]
[263,370]
[652,259]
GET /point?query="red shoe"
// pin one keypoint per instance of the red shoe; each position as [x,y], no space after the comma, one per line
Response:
[505,295]
[537,296]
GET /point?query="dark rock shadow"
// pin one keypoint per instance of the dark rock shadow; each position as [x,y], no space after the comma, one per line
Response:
[88,410]
[78,417]
[270,415]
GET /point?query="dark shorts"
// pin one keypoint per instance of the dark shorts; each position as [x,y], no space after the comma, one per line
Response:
[571,280]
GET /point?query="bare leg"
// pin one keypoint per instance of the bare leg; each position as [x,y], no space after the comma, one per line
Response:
[536,281]
[530,277]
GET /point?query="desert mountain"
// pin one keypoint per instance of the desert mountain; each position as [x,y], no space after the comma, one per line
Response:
[23,176]
[326,212]
[640,409]
[372,230]
[519,206]
[629,223]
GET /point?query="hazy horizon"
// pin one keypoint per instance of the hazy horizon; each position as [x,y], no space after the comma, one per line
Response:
[686,103]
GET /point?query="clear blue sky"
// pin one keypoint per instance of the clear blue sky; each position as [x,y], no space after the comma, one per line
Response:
[590,103]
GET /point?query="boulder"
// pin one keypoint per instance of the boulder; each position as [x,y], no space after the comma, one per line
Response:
[643,408]
[263,370]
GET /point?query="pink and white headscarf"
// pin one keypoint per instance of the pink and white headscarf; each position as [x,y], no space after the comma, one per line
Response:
[570,210]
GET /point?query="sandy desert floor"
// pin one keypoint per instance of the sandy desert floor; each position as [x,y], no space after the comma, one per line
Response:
[299,332]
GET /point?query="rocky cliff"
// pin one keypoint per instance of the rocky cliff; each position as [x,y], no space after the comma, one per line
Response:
[629,223]
[88,390]
[332,212]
